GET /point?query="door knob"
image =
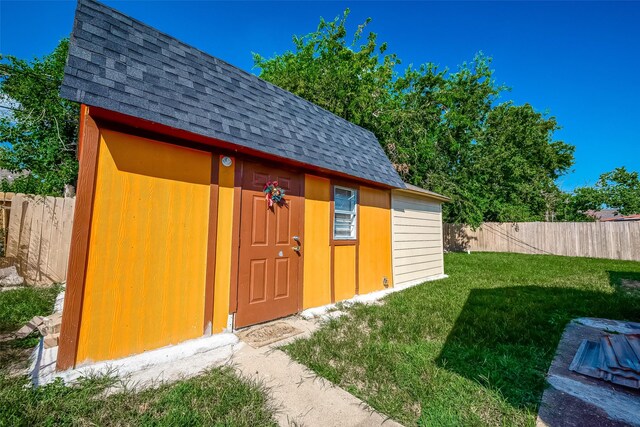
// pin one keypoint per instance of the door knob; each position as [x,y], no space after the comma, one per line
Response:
[297,247]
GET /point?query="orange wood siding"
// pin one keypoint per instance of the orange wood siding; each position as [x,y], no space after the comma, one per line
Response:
[374,255]
[344,272]
[88,143]
[317,252]
[145,277]
[224,247]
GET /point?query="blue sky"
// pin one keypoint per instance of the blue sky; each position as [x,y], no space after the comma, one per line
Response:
[578,61]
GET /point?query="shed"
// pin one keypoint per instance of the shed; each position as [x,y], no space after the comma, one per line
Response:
[175,234]
[417,235]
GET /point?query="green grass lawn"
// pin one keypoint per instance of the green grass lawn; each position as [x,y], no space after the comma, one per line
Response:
[472,349]
[217,397]
[17,307]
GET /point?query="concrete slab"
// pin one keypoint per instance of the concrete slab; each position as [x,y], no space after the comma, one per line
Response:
[577,400]
[332,310]
[300,396]
[169,363]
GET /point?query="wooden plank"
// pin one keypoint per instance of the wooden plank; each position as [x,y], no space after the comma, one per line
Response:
[67,227]
[25,234]
[418,222]
[15,221]
[32,272]
[413,259]
[416,275]
[57,250]
[47,244]
[412,252]
[211,245]
[55,209]
[90,138]
[418,234]
[6,211]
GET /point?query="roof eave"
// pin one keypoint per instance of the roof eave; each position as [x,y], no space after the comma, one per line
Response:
[412,189]
[114,120]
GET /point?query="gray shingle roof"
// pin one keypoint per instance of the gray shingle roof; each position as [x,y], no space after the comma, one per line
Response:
[123,65]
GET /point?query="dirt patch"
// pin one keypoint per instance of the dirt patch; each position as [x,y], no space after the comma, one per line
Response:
[631,285]
[259,336]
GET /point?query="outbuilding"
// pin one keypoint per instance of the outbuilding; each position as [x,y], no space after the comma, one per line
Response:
[417,235]
[209,199]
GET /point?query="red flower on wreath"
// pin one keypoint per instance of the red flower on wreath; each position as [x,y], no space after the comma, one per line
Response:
[274,194]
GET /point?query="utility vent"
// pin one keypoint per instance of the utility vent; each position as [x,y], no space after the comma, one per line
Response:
[614,358]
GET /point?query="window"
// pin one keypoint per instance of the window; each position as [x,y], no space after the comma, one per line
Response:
[344,216]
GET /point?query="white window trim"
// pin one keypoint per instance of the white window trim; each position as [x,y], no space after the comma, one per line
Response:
[354,191]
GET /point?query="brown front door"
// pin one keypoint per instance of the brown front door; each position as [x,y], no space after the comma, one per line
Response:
[269,279]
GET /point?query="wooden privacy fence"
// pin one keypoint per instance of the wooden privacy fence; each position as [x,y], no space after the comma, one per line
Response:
[613,240]
[38,235]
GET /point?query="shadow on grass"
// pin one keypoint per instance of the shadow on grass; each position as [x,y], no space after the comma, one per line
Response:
[506,338]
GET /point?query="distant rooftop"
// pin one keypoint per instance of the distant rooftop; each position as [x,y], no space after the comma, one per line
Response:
[634,217]
[602,214]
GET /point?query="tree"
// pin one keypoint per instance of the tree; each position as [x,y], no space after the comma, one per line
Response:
[440,129]
[618,189]
[517,162]
[444,115]
[38,129]
[352,81]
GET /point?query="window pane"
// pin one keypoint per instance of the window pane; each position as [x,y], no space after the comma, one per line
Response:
[344,218]
[345,200]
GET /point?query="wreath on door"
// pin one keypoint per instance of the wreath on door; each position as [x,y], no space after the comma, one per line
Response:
[274,194]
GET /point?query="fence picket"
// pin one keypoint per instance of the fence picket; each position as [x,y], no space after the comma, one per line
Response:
[38,235]
[614,240]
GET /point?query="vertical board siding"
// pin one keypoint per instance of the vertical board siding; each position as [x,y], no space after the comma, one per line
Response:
[39,236]
[613,240]
[145,277]
[89,142]
[5,206]
[224,245]
[317,251]
[344,272]
[374,256]
[417,238]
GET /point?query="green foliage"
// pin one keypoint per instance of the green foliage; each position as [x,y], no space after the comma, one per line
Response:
[353,81]
[618,189]
[435,145]
[440,129]
[19,305]
[472,349]
[517,163]
[38,129]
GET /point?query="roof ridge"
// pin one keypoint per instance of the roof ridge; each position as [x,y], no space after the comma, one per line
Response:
[119,63]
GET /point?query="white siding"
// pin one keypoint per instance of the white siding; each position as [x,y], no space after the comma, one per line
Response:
[417,238]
